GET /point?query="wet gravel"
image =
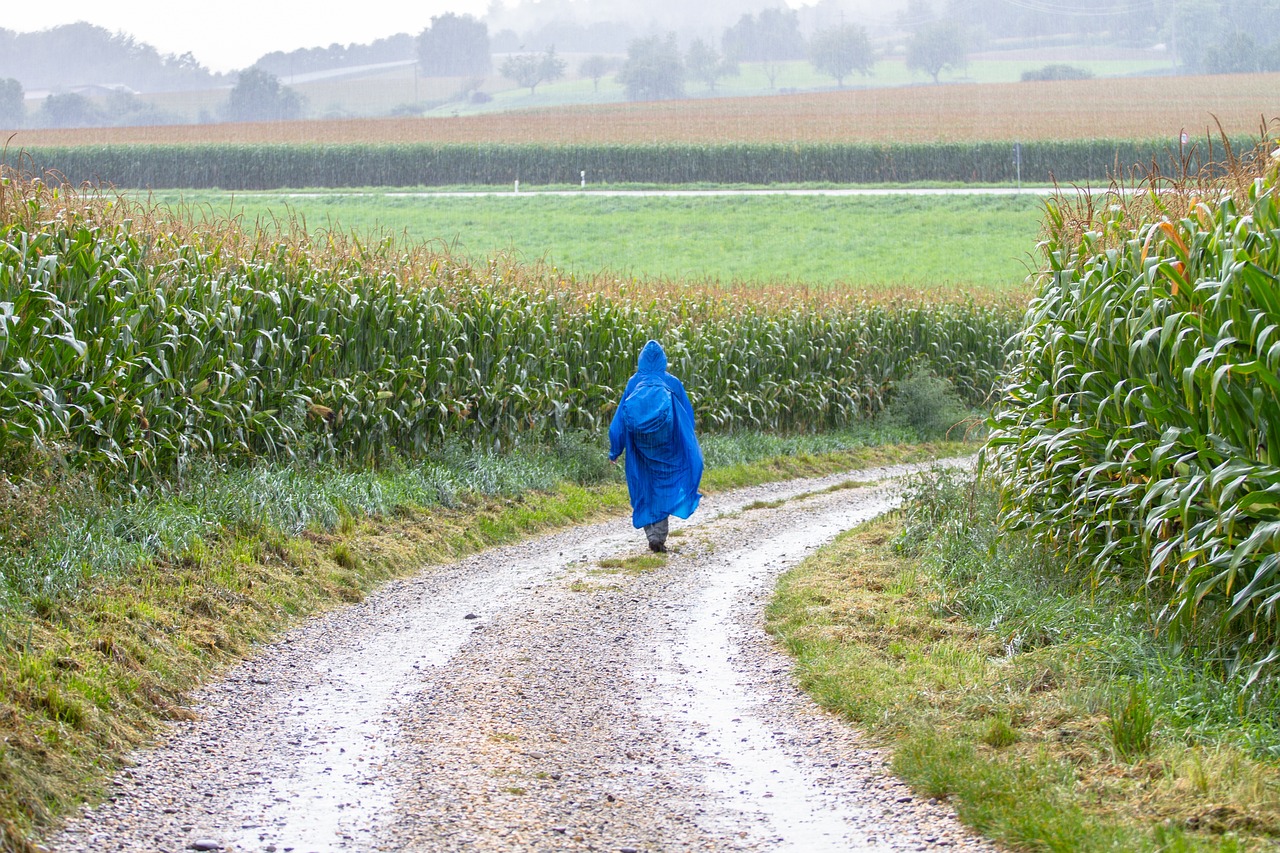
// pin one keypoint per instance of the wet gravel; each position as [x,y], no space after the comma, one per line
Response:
[529,698]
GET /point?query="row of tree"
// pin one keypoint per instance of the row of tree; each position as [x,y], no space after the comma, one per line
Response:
[396,48]
[257,96]
[655,67]
[1213,36]
[1201,36]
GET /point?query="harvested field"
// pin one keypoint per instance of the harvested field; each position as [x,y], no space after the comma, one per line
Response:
[1123,108]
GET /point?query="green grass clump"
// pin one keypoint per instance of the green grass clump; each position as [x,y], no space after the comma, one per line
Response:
[636,565]
[1131,723]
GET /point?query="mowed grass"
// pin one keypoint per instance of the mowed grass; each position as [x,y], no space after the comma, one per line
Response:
[973,242]
[1050,742]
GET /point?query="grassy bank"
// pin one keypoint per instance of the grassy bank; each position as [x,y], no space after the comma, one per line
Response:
[114,609]
[1053,718]
[980,243]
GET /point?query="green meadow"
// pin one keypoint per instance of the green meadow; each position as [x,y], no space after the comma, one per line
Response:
[974,242]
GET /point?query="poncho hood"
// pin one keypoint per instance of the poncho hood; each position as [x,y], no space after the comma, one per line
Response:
[653,359]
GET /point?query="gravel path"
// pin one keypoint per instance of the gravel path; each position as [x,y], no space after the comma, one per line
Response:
[528,698]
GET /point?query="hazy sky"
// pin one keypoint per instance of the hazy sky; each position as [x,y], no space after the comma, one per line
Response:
[231,34]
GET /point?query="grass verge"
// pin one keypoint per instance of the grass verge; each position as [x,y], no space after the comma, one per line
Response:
[1052,719]
[112,609]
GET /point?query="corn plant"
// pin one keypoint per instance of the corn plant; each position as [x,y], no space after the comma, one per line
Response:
[1139,428]
[260,166]
[140,345]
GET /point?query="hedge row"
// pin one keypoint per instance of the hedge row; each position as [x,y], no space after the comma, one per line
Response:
[260,167]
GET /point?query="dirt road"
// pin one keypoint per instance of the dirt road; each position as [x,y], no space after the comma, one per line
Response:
[529,698]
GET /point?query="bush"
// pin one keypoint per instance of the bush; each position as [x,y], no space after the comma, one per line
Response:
[1056,72]
[927,404]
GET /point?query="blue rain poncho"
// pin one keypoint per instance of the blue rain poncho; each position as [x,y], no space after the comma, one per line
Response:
[654,425]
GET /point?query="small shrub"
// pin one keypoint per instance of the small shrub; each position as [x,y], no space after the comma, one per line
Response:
[584,457]
[926,403]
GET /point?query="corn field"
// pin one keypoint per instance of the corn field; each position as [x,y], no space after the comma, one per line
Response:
[1139,429]
[263,166]
[137,344]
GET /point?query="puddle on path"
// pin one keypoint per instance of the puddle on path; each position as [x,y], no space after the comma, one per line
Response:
[729,720]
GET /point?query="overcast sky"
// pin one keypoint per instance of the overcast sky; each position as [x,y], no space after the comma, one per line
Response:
[231,34]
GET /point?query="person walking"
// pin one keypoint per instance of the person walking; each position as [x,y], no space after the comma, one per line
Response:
[653,425]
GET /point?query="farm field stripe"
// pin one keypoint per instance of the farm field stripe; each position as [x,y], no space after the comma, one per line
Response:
[731,242]
[1133,108]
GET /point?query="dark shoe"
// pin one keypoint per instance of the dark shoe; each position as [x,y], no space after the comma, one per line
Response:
[658,547]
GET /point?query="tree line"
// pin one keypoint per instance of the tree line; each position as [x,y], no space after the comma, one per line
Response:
[657,67]
[257,96]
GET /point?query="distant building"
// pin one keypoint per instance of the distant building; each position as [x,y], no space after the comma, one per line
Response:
[89,90]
